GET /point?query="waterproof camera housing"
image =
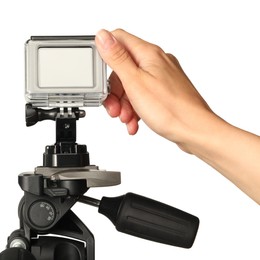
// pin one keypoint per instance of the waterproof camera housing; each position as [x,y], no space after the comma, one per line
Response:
[64,71]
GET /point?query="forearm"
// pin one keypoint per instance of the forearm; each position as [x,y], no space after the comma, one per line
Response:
[233,152]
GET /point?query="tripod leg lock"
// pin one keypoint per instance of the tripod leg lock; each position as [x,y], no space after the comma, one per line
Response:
[18,239]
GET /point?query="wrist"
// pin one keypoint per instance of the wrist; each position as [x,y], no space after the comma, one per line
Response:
[200,135]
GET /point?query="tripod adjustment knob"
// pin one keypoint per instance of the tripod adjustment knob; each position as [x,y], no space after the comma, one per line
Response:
[42,214]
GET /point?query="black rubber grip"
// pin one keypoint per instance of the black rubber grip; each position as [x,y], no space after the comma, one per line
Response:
[149,219]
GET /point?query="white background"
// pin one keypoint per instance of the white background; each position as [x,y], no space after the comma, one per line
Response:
[218,45]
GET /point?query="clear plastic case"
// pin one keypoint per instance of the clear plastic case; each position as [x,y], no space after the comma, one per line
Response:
[64,71]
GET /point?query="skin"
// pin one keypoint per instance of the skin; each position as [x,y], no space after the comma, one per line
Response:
[149,84]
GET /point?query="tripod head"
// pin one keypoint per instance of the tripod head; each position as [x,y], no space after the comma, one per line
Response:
[51,190]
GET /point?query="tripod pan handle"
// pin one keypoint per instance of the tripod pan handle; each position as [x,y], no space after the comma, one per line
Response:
[149,219]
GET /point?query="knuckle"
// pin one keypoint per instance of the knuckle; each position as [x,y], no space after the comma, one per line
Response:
[173,58]
[155,50]
[118,31]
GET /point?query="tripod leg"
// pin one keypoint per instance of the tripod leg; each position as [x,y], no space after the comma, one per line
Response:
[16,253]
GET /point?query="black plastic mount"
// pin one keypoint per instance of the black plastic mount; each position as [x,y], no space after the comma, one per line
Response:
[65,152]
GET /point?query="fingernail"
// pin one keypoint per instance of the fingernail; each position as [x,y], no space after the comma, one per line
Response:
[106,39]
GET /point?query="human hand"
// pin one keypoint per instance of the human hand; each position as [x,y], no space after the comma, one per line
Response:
[150,84]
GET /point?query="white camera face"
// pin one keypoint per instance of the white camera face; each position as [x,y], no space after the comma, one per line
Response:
[64,71]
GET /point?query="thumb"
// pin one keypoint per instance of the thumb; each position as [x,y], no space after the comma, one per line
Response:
[115,55]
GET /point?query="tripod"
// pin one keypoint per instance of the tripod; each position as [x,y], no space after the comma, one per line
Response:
[49,230]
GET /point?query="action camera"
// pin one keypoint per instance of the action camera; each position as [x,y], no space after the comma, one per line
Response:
[64,71]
